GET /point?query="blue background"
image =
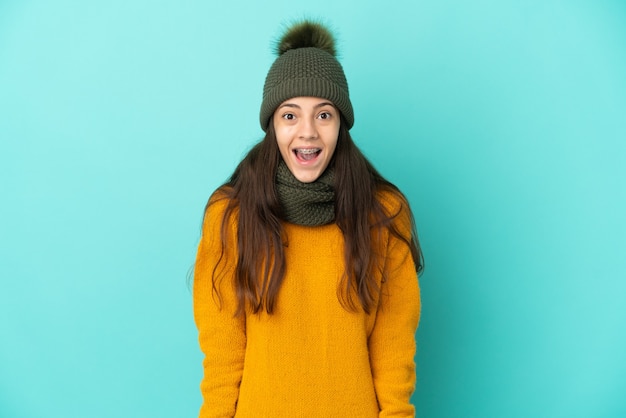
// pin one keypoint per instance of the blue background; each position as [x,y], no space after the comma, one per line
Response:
[503,122]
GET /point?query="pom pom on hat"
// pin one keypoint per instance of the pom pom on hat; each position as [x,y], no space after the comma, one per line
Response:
[307,34]
[306,66]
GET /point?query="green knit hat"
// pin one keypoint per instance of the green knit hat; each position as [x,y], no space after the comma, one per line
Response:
[306,66]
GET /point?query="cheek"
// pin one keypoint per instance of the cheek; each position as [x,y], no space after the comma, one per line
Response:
[334,147]
[283,144]
[280,135]
[279,131]
[333,143]
[331,146]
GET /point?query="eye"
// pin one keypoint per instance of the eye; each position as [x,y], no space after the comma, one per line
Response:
[325,115]
[289,116]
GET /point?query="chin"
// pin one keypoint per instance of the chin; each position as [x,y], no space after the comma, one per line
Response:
[307,177]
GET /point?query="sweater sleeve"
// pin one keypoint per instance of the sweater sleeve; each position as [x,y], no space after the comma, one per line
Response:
[392,341]
[221,335]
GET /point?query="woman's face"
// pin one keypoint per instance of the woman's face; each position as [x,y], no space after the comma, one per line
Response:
[307,129]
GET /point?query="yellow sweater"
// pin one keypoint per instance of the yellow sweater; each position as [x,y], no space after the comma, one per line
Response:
[311,358]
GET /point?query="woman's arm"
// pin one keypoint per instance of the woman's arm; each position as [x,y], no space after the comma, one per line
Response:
[222,336]
[392,341]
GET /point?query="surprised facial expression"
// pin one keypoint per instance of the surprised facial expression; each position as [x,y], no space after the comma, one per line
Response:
[306,129]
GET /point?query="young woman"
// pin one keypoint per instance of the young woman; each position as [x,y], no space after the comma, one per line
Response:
[305,287]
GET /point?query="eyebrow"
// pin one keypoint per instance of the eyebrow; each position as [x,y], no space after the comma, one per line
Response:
[322,104]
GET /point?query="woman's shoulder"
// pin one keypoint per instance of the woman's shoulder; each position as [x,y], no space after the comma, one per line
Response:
[397,210]
[221,196]
[392,200]
[220,202]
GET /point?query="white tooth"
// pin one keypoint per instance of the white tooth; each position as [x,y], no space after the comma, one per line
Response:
[308,151]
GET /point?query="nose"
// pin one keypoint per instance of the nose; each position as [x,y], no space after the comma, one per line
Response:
[308,130]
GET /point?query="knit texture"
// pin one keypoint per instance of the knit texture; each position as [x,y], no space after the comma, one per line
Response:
[311,358]
[306,71]
[309,204]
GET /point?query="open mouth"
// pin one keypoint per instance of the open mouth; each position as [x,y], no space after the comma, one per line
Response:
[307,154]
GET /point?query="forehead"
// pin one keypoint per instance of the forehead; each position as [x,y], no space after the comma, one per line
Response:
[307,102]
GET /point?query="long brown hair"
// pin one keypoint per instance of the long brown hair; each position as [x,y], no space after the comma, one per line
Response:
[252,196]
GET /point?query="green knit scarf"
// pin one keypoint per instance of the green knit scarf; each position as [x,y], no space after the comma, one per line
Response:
[308,204]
